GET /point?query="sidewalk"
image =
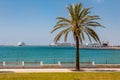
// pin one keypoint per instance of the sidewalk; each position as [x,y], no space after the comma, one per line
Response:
[34,70]
[60,70]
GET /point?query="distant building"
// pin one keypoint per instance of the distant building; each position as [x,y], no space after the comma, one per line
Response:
[62,44]
[20,44]
[95,44]
[92,45]
[105,44]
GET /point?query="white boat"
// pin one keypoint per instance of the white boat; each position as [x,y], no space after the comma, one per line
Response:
[20,44]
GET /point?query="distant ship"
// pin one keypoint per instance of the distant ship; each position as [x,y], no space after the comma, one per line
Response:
[20,44]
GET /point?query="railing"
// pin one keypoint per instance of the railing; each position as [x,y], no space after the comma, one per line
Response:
[49,63]
[45,60]
[40,63]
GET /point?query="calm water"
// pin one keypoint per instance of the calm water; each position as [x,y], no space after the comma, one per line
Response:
[53,54]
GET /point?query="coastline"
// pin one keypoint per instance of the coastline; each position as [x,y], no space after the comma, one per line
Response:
[101,48]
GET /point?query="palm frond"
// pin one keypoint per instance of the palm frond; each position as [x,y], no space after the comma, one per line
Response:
[94,24]
[82,36]
[88,36]
[66,33]
[80,40]
[58,26]
[70,9]
[93,34]
[93,17]
[63,20]
[84,13]
[60,34]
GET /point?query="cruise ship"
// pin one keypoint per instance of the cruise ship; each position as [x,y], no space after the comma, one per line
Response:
[20,44]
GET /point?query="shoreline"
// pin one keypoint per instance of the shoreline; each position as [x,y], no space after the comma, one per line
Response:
[101,48]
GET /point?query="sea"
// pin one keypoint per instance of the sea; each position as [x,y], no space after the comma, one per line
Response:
[52,54]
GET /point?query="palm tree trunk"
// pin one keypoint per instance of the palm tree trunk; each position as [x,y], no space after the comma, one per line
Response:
[77,54]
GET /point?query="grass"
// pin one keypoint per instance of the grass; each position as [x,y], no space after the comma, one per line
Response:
[61,76]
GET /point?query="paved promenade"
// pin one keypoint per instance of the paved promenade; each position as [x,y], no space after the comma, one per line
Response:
[60,70]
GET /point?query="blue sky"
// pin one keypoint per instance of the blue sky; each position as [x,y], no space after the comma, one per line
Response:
[31,21]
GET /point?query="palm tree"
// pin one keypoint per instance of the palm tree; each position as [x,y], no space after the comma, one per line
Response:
[79,23]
